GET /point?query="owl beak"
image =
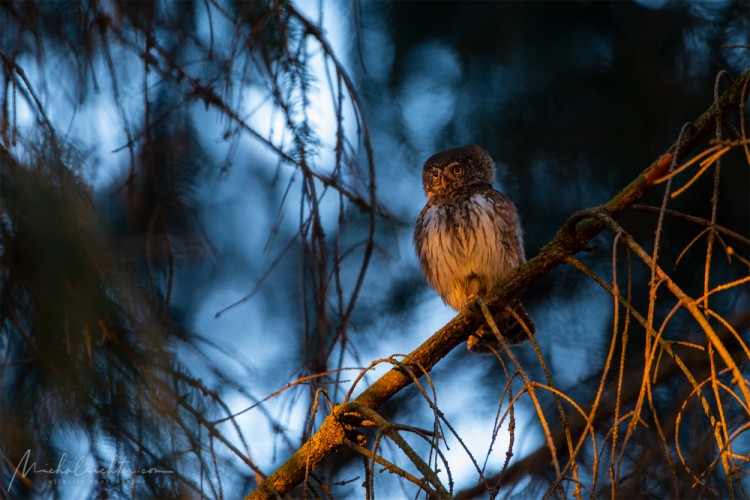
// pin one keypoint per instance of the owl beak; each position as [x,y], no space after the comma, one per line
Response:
[440,182]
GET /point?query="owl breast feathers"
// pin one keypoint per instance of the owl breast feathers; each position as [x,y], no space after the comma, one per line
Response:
[468,236]
[468,244]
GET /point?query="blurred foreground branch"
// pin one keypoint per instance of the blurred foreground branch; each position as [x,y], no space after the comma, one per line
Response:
[574,236]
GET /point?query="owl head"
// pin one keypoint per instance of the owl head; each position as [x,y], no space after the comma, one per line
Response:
[449,170]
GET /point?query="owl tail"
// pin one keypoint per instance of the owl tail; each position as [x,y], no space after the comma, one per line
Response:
[510,328]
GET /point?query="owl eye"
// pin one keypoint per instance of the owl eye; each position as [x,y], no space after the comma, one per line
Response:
[458,170]
[435,174]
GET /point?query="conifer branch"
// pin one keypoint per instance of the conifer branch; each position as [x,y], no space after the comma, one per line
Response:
[573,237]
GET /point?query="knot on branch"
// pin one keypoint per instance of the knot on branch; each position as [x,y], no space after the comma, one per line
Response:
[350,421]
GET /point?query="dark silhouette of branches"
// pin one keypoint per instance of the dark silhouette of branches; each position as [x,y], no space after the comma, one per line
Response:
[88,288]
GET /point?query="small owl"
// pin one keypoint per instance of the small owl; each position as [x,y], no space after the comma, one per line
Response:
[468,237]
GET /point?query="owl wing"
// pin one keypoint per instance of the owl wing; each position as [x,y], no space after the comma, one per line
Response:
[440,252]
[508,226]
[419,240]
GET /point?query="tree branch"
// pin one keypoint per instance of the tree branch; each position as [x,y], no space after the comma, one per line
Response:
[572,238]
[539,459]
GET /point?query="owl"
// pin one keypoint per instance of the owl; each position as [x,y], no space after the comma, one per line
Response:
[468,237]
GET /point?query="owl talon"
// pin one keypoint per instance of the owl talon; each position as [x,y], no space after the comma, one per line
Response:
[472,341]
[482,342]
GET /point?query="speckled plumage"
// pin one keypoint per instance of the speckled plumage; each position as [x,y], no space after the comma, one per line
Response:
[468,236]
